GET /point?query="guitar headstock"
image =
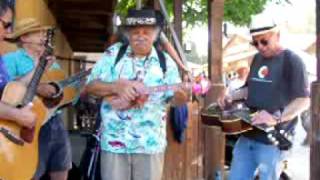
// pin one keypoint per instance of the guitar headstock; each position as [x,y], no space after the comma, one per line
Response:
[279,138]
[49,42]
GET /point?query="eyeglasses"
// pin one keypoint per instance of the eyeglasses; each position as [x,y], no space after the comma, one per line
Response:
[263,42]
[5,24]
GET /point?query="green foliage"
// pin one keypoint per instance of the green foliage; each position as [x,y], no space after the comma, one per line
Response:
[195,12]
[240,11]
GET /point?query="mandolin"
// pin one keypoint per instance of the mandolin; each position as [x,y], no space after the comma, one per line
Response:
[19,145]
[196,87]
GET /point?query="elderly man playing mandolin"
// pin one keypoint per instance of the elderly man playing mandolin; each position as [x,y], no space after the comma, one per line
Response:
[134,127]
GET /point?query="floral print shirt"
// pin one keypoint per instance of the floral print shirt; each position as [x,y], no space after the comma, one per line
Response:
[137,130]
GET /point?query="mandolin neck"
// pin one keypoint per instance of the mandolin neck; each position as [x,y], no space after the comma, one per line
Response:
[164,88]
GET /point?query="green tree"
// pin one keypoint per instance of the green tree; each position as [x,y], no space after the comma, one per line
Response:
[195,12]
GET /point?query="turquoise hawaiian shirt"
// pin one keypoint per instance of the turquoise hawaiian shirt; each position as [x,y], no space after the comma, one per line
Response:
[19,63]
[138,130]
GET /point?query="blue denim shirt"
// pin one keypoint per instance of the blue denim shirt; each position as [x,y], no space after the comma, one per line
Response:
[138,130]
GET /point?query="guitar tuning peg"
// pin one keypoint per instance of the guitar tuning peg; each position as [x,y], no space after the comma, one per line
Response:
[276,143]
[272,139]
[269,129]
[282,132]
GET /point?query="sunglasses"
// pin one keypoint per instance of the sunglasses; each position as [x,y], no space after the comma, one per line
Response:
[263,42]
[5,24]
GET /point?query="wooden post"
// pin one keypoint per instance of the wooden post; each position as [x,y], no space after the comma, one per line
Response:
[214,153]
[315,110]
[315,132]
[215,12]
[214,141]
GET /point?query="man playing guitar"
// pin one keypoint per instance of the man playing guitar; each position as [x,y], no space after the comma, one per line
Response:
[54,144]
[23,116]
[277,82]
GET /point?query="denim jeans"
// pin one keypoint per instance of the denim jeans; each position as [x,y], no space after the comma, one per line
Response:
[251,157]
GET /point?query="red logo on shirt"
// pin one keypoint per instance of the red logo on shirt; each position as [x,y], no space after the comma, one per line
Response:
[263,72]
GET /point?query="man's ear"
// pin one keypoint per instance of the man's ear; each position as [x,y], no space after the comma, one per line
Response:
[23,38]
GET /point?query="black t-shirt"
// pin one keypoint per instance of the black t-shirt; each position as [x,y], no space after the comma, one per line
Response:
[273,83]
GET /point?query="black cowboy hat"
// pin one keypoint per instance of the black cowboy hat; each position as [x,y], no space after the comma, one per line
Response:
[143,17]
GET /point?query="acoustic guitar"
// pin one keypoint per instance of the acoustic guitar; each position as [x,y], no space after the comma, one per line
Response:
[66,92]
[19,145]
[64,86]
[237,120]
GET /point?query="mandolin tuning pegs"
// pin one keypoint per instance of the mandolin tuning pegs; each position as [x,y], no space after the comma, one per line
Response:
[276,143]
[269,129]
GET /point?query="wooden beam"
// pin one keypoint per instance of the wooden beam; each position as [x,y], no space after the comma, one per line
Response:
[87,12]
[88,48]
[93,35]
[86,25]
[82,41]
[315,109]
[215,13]
[215,40]
[101,5]
[214,148]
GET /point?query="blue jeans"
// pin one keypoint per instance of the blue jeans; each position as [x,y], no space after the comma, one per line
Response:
[250,156]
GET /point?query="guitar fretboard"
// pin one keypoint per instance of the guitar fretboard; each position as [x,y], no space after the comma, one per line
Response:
[163,88]
[32,86]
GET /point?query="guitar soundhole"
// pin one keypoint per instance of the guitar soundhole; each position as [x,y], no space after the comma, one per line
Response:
[52,102]
[27,134]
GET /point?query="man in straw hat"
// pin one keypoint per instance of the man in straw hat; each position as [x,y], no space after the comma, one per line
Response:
[54,144]
[133,137]
[277,89]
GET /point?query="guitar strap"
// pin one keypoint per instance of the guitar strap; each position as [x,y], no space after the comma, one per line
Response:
[161,56]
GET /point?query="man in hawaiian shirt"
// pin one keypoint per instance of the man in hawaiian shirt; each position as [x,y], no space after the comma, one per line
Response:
[134,138]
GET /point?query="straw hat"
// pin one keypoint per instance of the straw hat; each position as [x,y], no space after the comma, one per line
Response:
[261,24]
[24,26]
